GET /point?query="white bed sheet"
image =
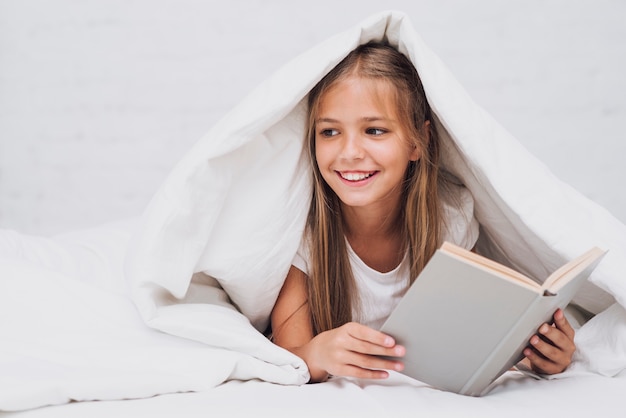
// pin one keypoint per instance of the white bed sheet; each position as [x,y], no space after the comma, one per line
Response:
[514,396]
[87,264]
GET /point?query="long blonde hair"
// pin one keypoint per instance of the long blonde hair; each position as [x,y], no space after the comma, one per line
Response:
[331,286]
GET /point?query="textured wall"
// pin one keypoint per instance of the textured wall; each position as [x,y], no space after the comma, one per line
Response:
[99,99]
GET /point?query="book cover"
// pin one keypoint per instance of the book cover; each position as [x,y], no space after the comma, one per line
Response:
[466,319]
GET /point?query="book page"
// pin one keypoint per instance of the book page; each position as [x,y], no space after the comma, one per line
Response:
[562,275]
[488,264]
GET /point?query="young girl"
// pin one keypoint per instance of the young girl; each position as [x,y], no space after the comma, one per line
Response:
[380,208]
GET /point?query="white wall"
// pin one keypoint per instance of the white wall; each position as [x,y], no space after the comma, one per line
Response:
[99,99]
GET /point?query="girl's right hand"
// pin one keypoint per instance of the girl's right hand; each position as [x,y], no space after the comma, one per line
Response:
[352,350]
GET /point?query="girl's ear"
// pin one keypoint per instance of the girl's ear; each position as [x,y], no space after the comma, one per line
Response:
[415,152]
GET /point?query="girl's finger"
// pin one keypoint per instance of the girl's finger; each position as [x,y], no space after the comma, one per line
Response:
[557,338]
[553,347]
[541,364]
[370,341]
[371,349]
[561,322]
[365,333]
[547,350]
[350,370]
[376,363]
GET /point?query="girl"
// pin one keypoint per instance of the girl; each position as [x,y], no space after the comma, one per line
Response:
[379,210]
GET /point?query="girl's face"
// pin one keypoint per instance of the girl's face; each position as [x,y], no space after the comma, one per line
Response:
[360,145]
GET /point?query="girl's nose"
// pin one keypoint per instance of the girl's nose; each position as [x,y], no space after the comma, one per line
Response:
[352,147]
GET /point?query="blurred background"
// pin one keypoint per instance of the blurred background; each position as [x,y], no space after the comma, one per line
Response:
[100,98]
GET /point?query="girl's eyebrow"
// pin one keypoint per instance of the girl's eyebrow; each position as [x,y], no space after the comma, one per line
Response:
[376,119]
[365,119]
[327,120]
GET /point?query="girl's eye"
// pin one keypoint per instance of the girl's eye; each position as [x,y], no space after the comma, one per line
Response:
[328,132]
[376,131]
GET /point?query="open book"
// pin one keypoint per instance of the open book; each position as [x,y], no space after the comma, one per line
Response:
[466,319]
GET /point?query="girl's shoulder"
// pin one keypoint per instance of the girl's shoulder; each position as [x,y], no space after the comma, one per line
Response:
[459,225]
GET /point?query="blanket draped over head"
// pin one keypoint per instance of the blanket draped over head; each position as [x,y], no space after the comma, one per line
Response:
[218,238]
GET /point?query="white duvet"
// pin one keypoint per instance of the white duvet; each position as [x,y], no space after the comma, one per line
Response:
[208,257]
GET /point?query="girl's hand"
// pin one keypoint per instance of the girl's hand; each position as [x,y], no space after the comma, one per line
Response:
[552,347]
[352,350]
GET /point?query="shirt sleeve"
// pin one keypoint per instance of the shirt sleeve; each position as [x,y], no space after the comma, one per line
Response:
[459,227]
[301,259]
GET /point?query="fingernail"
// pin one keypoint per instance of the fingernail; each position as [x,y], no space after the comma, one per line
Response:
[534,340]
[544,329]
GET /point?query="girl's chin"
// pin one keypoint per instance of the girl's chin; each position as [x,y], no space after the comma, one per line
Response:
[356,201]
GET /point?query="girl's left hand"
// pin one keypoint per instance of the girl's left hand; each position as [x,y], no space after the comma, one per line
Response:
[552,348]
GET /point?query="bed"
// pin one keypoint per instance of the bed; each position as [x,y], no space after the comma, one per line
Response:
[113,357]
[163,314]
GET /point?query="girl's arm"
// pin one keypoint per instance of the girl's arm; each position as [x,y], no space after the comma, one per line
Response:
[350,350]
[552,348]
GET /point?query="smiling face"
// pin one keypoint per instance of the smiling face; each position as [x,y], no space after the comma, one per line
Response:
[360,145]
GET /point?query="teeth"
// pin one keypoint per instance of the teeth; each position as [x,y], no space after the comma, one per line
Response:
[355,176]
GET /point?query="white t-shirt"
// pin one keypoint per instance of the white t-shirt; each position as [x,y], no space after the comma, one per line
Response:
[380,292]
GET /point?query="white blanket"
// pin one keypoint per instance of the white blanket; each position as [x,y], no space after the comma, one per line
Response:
[234,208]
[214,245]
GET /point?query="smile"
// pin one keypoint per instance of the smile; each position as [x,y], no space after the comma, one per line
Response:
[356,176]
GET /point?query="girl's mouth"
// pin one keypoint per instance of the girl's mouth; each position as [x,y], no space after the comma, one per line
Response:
[357,176]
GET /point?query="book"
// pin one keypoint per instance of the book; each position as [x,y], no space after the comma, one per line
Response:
[466,319]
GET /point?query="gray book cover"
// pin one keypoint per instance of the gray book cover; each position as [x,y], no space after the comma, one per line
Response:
[464,324]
